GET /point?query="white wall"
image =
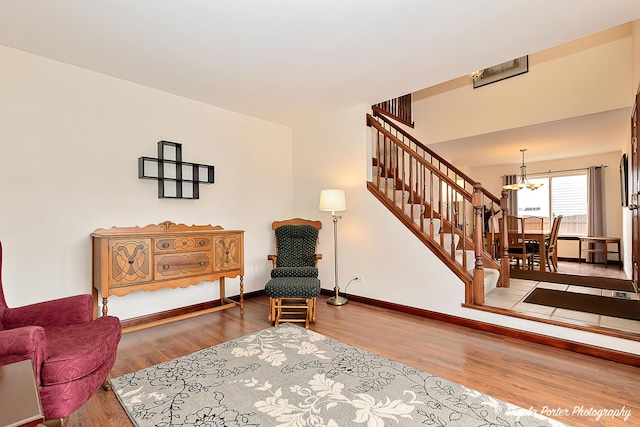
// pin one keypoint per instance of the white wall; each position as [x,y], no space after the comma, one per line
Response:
[69,143]
[595,70]
[332,153]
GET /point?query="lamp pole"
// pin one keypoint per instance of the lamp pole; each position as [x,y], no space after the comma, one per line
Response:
[336,299]
[333,200]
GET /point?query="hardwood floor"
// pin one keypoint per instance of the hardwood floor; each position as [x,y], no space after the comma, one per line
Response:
[526,374]
[589,269]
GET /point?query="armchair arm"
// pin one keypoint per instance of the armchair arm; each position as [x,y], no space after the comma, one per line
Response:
[58,312]
[22,344]
[272,258]
[317,257]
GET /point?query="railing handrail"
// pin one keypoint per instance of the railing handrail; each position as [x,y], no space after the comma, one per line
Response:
[381,113]
[399,108]
[451,182]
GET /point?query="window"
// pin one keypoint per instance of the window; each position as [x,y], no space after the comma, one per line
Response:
[560,195]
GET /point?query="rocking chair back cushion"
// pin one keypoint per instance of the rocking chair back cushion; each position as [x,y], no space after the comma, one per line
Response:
[296,245]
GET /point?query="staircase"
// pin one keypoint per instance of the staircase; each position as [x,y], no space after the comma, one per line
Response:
[441,205]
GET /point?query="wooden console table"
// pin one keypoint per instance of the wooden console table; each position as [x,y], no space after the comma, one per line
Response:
[166,255]
[599,240]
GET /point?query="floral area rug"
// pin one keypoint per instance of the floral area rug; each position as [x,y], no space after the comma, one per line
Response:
[290,376]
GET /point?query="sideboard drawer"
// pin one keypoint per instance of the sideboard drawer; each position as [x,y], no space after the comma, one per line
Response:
[182,243]
[169,266]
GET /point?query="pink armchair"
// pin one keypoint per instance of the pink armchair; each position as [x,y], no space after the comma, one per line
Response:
[72,354]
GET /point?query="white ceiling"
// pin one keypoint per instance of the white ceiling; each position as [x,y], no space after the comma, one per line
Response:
[288,60]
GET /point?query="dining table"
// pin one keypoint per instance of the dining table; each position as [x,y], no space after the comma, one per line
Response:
[539,236]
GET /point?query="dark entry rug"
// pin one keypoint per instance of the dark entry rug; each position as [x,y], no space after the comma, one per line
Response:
[607,306]
[571,279]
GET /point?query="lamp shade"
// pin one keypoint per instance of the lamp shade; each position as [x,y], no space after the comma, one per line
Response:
[333,200]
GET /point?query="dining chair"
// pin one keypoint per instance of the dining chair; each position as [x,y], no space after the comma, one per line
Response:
[533,223]
[519,249]
[552,246]
[551,243]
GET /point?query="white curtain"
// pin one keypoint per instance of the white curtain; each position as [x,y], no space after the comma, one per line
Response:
[596,206]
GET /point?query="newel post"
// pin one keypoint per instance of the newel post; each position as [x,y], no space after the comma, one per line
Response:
[477,296]
[504,243]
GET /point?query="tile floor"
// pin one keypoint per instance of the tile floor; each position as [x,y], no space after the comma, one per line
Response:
[512,299]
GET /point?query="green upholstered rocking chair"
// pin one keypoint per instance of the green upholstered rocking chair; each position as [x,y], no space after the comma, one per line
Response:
[294,285]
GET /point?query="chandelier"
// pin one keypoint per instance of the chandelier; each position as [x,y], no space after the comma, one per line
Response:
[523,182]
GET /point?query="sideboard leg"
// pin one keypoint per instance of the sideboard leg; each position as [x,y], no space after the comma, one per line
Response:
[222,291]
[105,309]
[241,294]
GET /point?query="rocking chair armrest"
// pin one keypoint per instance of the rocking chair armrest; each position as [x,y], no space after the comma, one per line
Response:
[24,343]
[272,258]
[317,257]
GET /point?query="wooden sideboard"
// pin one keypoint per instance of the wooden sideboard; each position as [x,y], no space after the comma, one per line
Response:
[166,255]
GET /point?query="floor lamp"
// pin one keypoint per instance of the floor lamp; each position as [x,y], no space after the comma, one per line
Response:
[333,200]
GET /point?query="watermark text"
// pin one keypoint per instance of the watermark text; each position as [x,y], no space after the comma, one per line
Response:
[582,411]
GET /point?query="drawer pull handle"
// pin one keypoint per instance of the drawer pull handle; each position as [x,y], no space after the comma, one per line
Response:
[202,263]
[201,242]
[165,266]
[130,260]
[165,245]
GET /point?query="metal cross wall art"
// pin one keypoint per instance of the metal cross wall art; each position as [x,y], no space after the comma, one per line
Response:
[176,179]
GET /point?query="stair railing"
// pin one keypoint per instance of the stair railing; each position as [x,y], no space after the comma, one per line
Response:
[443,203]
[493,205]
[398,108]
[433,158]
